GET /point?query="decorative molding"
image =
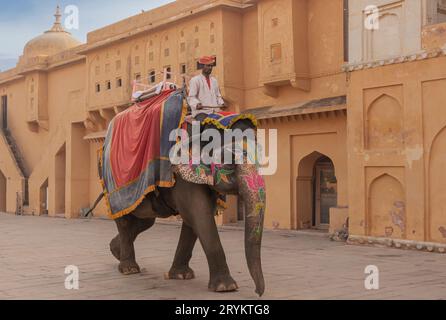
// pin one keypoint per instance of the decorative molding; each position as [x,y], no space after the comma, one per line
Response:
[146,23]
[397,243]
[422,55]
[98,137]
[316,115]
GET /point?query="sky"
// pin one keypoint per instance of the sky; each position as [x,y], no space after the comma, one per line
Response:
[22,20]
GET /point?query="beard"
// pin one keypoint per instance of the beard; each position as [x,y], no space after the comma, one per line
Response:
[207,72]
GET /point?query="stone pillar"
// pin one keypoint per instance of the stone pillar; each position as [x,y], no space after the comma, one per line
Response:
[78,172]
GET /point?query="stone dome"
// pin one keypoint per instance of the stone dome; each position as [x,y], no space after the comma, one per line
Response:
[51,42]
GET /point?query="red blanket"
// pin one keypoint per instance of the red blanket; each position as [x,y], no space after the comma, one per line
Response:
[136,139]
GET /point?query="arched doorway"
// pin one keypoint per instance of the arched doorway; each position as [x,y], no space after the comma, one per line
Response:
[387,214]
[437,196]
[317,192]
[2,192]
[326,192]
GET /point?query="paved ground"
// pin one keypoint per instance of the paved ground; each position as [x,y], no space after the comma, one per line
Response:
[34,252]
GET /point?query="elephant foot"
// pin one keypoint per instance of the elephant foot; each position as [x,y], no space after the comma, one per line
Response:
[184,273]
[115,248]
[129,268]
[223,283]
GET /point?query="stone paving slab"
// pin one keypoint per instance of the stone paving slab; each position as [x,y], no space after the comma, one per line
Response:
[34,252]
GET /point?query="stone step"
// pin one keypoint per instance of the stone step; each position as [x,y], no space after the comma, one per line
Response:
[15,151]
[20,165]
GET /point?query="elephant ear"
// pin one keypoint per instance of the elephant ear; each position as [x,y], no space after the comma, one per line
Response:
[223,175]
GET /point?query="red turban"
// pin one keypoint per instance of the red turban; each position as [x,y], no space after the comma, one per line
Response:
[207,60]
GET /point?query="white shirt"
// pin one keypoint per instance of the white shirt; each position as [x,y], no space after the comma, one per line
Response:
[199,92]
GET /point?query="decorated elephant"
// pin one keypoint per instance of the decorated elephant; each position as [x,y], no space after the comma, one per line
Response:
[194,192]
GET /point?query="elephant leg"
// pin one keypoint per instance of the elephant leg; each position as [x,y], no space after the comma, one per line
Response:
[180,268]
[115,247]
[141,226]
[122,246]
[197,205]
[220,276]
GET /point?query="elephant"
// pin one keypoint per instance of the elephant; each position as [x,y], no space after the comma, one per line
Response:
[197,205]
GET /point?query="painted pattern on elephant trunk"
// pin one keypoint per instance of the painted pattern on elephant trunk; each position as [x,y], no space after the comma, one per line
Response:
[252,190]
[255,196]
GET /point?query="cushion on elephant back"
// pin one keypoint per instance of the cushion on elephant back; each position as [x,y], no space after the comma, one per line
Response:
[226,120]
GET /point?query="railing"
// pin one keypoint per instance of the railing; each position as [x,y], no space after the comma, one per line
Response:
[19,162]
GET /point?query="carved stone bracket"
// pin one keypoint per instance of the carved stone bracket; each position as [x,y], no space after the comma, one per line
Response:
[301,84]
[107,114]
[44,124]
[271,91]
[98,121]
[90,125]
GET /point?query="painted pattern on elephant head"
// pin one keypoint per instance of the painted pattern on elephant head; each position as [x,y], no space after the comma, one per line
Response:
[212,175]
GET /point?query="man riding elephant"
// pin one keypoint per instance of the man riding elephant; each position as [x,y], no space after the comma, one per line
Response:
[204,91]
[142,184]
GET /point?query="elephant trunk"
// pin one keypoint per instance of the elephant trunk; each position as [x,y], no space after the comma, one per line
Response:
[252,190]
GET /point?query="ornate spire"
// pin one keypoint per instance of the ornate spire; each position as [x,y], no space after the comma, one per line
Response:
[57,27]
